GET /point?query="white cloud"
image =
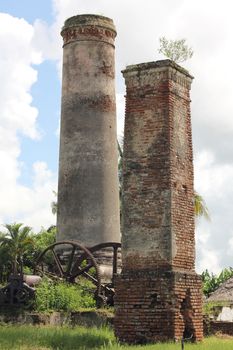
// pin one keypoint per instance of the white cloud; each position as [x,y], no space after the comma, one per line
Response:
[46,39]
[37,201]
[207,26]
[30,205]
[17,76]
[214,181]
[208,260]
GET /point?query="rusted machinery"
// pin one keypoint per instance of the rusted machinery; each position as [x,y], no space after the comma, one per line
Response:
[69,261]
[17,292]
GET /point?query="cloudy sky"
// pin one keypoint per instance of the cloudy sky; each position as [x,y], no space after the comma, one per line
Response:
[30,76]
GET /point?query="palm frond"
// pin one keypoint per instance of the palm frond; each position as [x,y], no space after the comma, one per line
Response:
[200,207]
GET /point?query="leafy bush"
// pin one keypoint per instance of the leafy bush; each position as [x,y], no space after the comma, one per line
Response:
[175,50]
[211,282]
[41,240]
[214,307]
[61,296]
[44,238]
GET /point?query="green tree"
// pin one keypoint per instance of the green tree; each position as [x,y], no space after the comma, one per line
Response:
[176,50]
[16,241]
[43,239]
[5,263]
[211,282]
[200,207]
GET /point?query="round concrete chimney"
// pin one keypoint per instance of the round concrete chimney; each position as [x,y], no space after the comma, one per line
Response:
[88,194]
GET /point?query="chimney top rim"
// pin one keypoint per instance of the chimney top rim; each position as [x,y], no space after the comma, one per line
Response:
[156,64]
[89,20]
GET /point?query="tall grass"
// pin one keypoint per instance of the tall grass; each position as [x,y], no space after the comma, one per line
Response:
[64,338]
[211,343]
[31,337]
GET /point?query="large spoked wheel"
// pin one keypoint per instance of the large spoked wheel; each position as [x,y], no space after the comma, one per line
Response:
[69,261]
[112,250]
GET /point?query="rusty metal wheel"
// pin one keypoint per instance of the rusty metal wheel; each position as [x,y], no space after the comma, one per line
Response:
[69,261]
[113,262]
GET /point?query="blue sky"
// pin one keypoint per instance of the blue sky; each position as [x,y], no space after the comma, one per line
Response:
[30,10]
[40,151]
[45,93]
[30,75]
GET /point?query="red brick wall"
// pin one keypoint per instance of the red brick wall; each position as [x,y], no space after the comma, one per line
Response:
[158,295]
[181,174]
[149,306]
[158,228]
[214,327]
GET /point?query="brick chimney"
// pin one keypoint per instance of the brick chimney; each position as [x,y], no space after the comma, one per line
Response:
[158,295]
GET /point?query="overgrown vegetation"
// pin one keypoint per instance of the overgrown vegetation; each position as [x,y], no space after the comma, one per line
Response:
[19,247]
[64,338]
[15,242]
[176,50]
[211,281]
[61,296]
[213,308]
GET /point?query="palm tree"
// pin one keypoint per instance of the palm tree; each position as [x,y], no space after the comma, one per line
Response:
[5,263]
[16,241]
[200,207]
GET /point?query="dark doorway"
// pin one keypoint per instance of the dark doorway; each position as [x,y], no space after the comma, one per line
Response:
[187,314]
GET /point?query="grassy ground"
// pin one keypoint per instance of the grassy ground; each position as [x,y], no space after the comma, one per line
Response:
[45,338]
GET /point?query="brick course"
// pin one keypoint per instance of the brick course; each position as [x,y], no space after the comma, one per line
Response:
[149,306]
[158,251]
[218,327]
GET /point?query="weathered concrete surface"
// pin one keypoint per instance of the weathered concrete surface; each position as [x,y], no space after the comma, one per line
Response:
[88,198]
[158,295]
